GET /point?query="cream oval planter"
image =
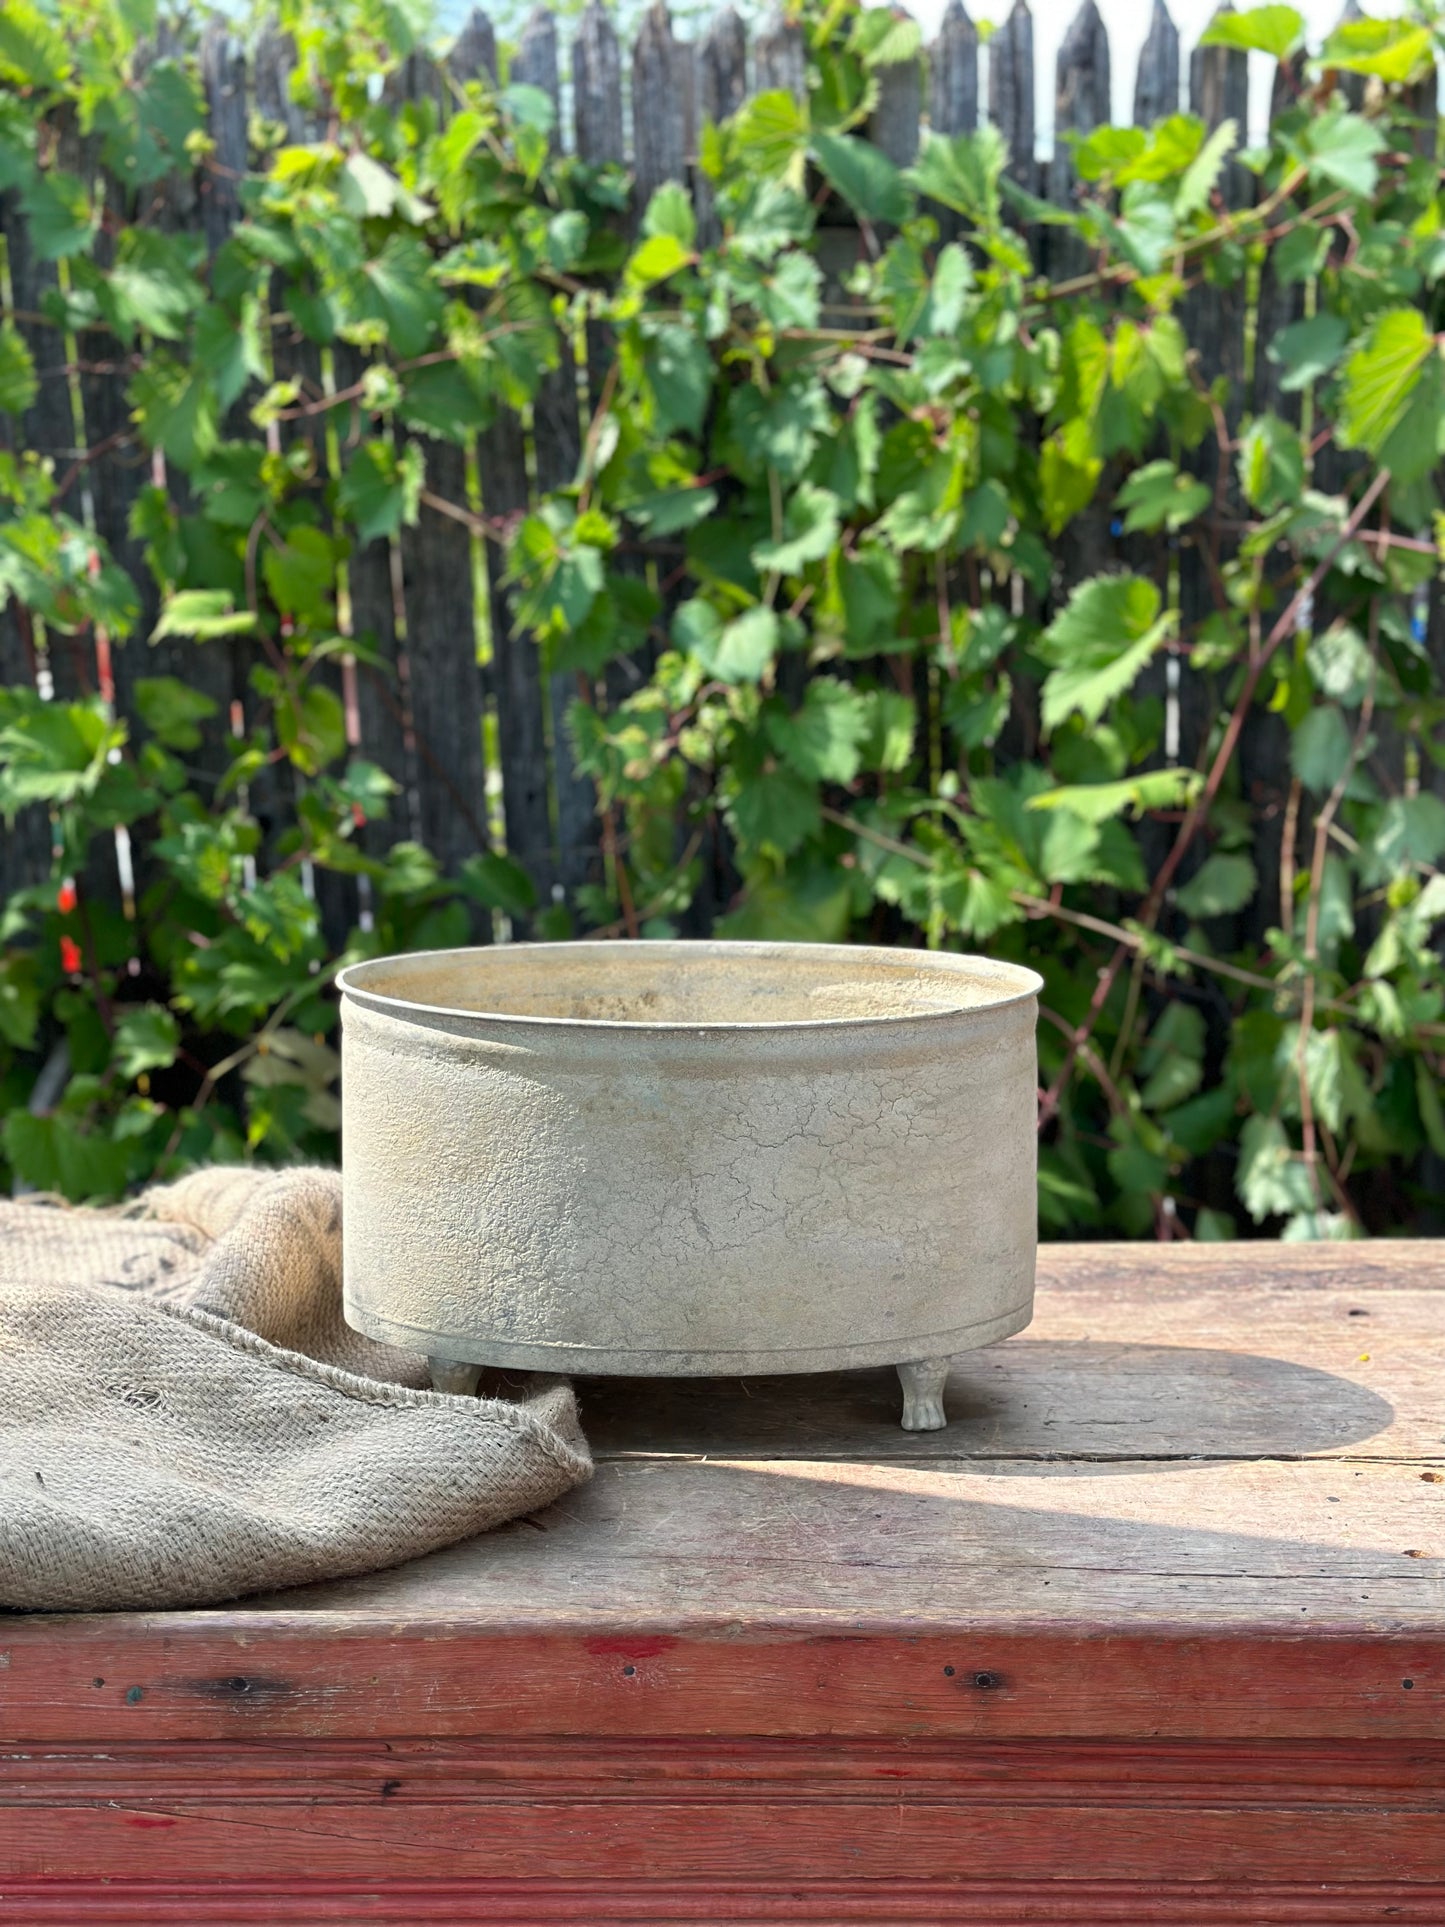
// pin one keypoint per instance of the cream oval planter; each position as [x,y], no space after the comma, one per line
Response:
[690,1158]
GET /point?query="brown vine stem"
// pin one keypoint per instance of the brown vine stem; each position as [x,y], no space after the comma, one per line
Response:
[1226,230]
[1091,1057]
[1260,661]
[251,1048]
[1199,810]
[594,432]
[1287,856]
[478,524]
[1039,908]
[613,857]
[613,930]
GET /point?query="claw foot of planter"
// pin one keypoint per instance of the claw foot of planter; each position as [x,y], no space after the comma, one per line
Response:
[923,1383]
[452,1375]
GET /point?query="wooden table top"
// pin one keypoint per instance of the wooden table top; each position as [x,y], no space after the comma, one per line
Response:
[1201,1480]
[1211,1435]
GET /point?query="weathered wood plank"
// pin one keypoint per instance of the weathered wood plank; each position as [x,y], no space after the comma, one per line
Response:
[1215,320]
[535,62]
[46,428]
[442,641]
[597,86]
[780,57]
[383,692]
[804,1810]
[953,73]
[722,56]
[662,104]
[1284,1773]
[1198,1688]
[722,86]
[1081,94]
[1081,103]
[557,446]
[1174,1391]
[1156,84]
[377,1668]
[413,1902]
[117,479]
[1228,1437]
[223,78]
[894,124]
[1219,91]
[474,51]
[1011,91]
[272,58]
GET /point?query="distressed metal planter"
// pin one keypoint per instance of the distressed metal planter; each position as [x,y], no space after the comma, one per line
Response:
[690,1158]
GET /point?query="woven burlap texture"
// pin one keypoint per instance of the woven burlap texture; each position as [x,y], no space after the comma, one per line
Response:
[186,1417]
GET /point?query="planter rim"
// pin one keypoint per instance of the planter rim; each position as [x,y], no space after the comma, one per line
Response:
[1016,985]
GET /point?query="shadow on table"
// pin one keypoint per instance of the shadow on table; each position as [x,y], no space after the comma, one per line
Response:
[1026,1404]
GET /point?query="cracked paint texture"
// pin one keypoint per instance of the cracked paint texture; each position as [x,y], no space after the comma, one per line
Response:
[786,1158]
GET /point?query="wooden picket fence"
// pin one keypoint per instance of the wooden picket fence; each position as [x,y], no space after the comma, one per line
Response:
[468,721]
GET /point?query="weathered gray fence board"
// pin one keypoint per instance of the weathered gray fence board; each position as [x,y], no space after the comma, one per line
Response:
[1081,103]
[382,692]
[443,648]
[534,64]
[597,87]
[662,76]
[557,448]
[223,77]
[1011,91]
[1156,84]
[781,57]
[722,87]
[894,124]
[953,73]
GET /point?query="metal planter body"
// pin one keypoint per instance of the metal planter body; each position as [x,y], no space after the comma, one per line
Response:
[689,1157]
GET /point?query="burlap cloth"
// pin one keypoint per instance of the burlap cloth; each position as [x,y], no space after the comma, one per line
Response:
[185,1416]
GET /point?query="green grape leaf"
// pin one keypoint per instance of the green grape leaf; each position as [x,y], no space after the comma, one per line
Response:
[1342,149]
[1098,644]
[1272,1179]
[1395,50]
[172,711]
[1158,496]
[301,574]
[1155,789]
[1319,748]
[962,173]
[18,383]
[823,738]
[864,176]
[1381,376]
[381,489]
[670,212]
[1276,30]
[1201,176]
[1308,350]
[810,530]
[146,1039]
[773,808]
[1224,882]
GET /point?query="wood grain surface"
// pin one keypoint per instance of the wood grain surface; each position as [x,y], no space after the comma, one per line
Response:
[1154,1632]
